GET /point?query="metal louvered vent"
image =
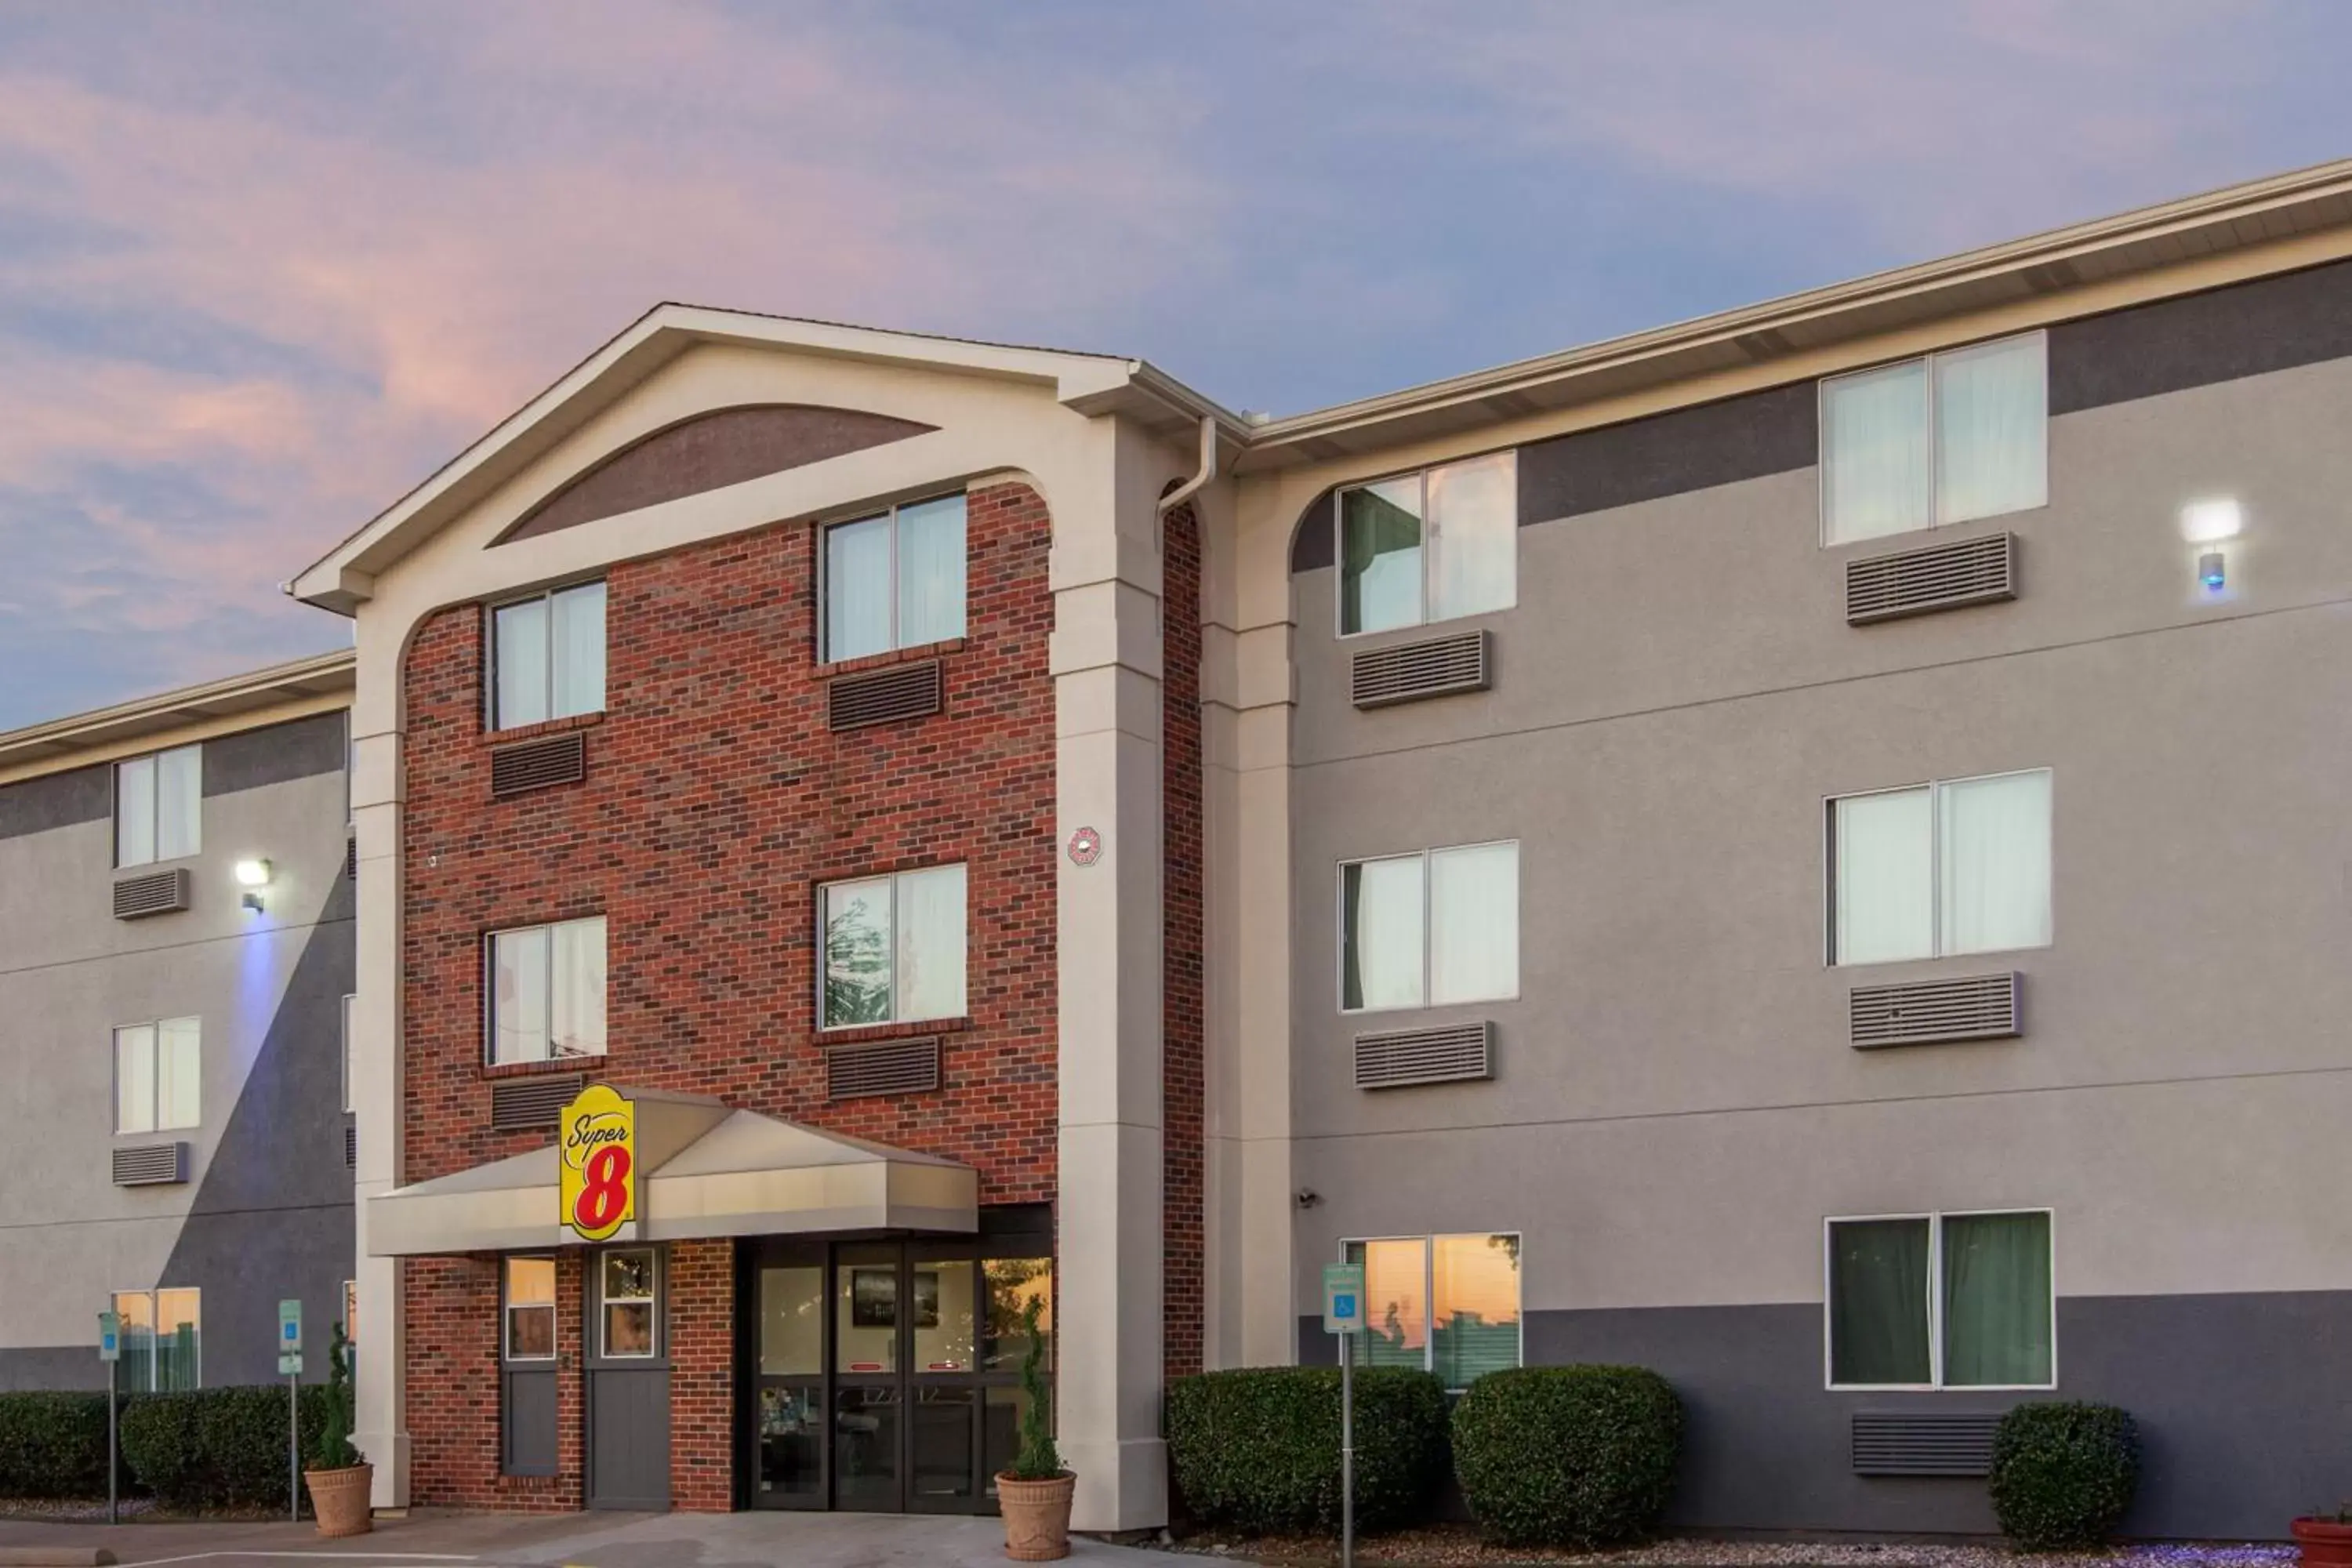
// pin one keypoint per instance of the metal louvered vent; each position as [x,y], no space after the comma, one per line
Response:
[151,1165]
[350,1144]
[351,857]
[1447,1054]
[1934,577]
[157,893]
[527,1102]
[1406,672]
[887,1066]
[538,765]
[1924,1442]
[901,691]
[1923,1011]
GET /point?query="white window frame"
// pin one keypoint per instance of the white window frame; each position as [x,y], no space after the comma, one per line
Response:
[1935,788]
[490,992]
[1339,546]
[1935,1218]
[553,1304]
[1339,951]
[824,576]
[897,990]
[154,1075]
[493,720]
[154,1329]
[155,806]
[651,1300]
[1934,490]
[1429,1287]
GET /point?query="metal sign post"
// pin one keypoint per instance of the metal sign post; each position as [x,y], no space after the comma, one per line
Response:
[289,1361]
[110,1350]
[1343,1314]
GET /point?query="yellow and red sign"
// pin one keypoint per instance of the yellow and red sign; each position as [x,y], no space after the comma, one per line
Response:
[599,1146]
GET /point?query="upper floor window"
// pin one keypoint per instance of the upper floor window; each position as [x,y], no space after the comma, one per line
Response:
[1430,546]
[158,1076]
[547,992]
[1940,868]
[1946,438]
[159,1337]
[159,806]
[894,948]
[895,581]
[548,657]
[1949,1300]
[1426,929]
[1446,1304]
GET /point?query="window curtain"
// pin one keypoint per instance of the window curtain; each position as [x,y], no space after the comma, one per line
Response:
[179,803]
[518,966]
[1991,420]
[1874,473]
[520,634]
[134,1079]
[1474,923]
[179,1074]
[1475,1307]
[857,589]
[932,926]
[135,812]
[1396,1304]
[1996,1300]
[1883,849]
[857,953]
[1996,863]
[1380,556]
[1473,522]
[930,571]
[576,989]
[579,649]
[1381,947]
[1879,1301]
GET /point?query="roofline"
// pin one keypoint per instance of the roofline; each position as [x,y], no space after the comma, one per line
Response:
[57,743]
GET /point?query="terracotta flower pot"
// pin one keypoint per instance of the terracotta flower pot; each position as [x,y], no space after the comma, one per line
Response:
[339,1498]
[2325,1542]
[1036,1517]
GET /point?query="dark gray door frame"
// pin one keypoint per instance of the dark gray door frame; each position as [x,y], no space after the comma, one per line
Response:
[634,1390]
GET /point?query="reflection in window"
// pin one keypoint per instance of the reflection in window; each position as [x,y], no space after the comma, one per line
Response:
[1446,1303]
[629,1296]
[1013,1283]
[1430,546]
[894,948]
[530,1308]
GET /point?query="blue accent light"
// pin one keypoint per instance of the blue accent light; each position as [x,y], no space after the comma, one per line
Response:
[2212,571]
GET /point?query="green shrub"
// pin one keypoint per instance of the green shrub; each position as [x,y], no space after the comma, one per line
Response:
[1257,1448]
[1568,1456]
[2063,1473]
[218,1447]
[333,1448]
[53,1445]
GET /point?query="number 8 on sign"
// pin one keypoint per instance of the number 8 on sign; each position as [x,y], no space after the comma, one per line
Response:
[605,1194]
[598,1145]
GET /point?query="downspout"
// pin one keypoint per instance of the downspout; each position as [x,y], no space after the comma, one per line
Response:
[1207,469]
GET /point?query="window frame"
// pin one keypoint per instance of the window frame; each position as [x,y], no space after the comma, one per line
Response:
[154,1075]
[491,994]
[155,806]
[492,720]
[1935,1218]
[1339,951]
[656,1346]
[1935,788]
[1421,476]
[552,1306]
[896,1019]
[1429,1287]
[1935,469]
[824,573]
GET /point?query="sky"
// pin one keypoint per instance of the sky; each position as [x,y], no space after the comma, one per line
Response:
[264,266]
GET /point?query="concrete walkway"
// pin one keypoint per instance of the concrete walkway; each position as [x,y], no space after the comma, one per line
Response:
[432,1538]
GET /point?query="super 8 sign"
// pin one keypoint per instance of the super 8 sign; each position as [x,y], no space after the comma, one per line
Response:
[599,1163]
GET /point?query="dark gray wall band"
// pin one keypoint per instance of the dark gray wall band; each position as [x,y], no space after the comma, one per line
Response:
[41,1367]
[56,800]
[297,749]
[2196,339]
[1670,454]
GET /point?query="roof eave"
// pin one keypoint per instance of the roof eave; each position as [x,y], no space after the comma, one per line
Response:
[251,692]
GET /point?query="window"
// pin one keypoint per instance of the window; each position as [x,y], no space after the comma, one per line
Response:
[547,992]
[530,1308]
[158,1079]
[348,1075]
[1940,869]
[1948,438]
[160,1339]
[159,806]
[1957,1300]
[1447,1304]
[548,657]
[894,948]
[629,1327]
[1430,546]
[895,581]
[1429,930]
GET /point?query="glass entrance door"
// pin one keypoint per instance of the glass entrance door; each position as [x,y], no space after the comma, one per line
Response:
[788,1405]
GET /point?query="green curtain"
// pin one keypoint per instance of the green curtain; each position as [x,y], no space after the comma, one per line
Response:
[1996,1300]
[175,1359]
[1879,1301]
[1373,526]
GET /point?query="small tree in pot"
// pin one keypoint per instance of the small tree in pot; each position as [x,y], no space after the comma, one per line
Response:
[339,1480]
[1034,1494]
[2326,1537]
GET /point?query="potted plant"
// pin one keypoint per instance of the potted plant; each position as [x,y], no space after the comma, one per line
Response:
[339,1480]
[2326,1537]
[1034,1494]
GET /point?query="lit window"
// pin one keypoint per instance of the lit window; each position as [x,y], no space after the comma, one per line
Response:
[895,581]
[1446,1304]
[1948,439]
[1428,930]
[548,657]
[158,1076]
[547,992]
[631,1328]
[1430,546]
[160,1337]
[1940,868]
[1957,1300]
[894,948]
[530,1308]
[159,806]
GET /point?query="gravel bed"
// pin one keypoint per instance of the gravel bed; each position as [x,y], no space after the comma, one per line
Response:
[1443,1546]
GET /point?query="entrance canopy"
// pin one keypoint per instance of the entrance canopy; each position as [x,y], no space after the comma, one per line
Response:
[704,1171]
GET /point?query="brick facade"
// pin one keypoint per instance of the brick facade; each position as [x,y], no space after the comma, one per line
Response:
[716,801]
[1183,1023]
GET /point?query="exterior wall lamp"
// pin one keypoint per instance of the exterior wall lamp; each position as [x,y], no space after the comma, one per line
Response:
[253,876]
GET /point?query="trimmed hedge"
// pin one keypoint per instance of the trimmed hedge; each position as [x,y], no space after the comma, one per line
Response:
[52,1444]
[1257,1448]
[1568,1456]
[2063,1473]
[216,1448]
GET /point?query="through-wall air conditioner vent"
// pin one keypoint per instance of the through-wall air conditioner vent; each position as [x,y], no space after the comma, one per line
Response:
[1926,1012]
[1409,672]
[156,893]
[151,1165]
[1924,1442]
[1932,577]
[524,1103]
[1450,1053]
[884,696]
[887,1066]
[538,764]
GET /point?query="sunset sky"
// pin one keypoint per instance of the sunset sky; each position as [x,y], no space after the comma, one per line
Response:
[264,266]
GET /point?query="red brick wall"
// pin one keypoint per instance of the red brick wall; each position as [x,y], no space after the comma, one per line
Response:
[701,1377]
[1183,1023]
[716,801]
[452,1307]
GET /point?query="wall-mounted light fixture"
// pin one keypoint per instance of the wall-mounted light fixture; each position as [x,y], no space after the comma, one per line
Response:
[2210,525]
[253,876]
